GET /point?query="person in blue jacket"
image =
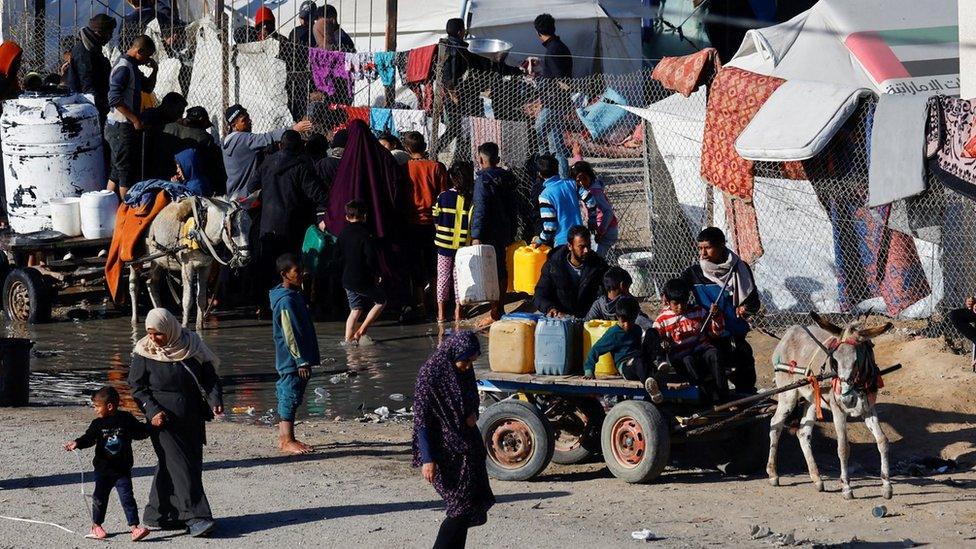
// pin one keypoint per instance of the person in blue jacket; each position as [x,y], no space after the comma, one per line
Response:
[559,204]
[296,349]
[190,172]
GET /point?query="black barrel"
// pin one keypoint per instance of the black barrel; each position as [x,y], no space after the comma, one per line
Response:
[14,371]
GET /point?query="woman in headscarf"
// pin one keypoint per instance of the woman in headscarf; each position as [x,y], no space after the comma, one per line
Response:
[447,444]
[173,378]
[190,172]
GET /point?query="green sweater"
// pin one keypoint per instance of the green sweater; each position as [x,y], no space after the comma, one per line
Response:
[621,344]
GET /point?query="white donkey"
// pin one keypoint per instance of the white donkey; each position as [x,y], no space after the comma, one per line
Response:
[188,236]
[852,394]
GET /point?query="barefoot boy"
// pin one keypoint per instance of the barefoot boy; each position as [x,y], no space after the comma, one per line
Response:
[296,349]
[360,271]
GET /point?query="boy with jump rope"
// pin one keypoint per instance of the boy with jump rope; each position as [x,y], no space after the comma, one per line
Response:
[112,433]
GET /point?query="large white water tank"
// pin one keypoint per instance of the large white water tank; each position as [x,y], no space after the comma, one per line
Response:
[52,148]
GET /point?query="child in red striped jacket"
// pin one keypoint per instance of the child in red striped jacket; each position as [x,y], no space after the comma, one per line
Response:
[689,349]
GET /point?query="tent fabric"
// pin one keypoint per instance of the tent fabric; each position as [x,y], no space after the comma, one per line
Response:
[949,128]
[257,79]
[798,121]
[687,73]
[896,169]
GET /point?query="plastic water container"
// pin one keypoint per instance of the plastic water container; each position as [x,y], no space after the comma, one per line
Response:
[592,332]
[534,317]
[638,264]
[527,263]
[558,345]
[476,274]
[316,248]
[66,215]
[510,264]
[98,210]
[511,346]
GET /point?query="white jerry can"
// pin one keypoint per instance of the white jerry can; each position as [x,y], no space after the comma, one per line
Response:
[476,274]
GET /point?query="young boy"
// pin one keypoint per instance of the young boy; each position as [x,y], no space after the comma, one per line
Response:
[428,178]
[360,271]
[123,126]
[624,341]
[688,347]
[616,285]
[296,349]
[112,433]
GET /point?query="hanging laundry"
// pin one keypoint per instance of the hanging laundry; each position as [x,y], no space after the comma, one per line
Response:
[420,68]
[361,66]
[514,147]
[357,113]
[484,130]
[949,128]
[400,60]
[381,120]
[734,99]
[411,120]
[896,168]
[329,72]
[743,224]
[385,67]
[687,73]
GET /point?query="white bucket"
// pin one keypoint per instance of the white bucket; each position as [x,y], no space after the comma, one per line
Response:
[66,215]
[638,264]
[98,214]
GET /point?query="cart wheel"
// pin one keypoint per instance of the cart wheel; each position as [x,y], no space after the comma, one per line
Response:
[577,430]
[636,441]
[518,439]
[27,297]
[745,452]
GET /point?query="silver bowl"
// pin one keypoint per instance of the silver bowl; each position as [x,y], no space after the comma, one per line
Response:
[491,48]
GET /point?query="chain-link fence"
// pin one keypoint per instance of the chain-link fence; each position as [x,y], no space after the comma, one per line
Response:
[807,233]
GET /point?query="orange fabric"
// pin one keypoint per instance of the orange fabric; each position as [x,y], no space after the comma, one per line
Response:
[817,396]
[357,113]
[687,73]
[420,63]
[427,179]
[131,225]
[743,223]
[10,55]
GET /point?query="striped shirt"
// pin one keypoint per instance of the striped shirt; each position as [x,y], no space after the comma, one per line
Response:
[682,330]
[559,209]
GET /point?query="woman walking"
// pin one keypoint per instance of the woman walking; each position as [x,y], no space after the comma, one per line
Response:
[173,378]
[446,441]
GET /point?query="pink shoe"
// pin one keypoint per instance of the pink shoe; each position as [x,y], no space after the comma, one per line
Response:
[97,532]
[139,532]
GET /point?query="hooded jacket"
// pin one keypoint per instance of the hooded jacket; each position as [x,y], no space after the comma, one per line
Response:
[292,330]
[194,176]
[291,195]
[493,219]
[556,288]
[89,70]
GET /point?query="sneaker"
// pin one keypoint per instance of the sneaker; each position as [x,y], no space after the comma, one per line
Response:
[650,385]
[139,532]
[202,528]
[97,532]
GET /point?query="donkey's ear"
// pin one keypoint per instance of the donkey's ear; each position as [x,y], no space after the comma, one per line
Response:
[869,333]
[826,324]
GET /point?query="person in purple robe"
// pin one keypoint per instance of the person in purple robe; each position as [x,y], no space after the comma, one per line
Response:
[447,444]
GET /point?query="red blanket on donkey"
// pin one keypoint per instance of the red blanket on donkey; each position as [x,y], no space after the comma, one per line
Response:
[131,224]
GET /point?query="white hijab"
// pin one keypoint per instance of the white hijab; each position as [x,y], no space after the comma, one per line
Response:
[181,344]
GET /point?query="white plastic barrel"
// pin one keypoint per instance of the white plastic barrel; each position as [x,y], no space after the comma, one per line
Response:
[98,214]
[638,264]
[52,148]
[476,274]
[66,215]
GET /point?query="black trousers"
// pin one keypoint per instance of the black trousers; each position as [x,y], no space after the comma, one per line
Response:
[704,368]
[635,369]
[453,533]
[736,352]
[123,486]
[177,494]
[964,321]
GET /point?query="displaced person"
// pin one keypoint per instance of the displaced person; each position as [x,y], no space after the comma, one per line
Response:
[154,122]
[193,132]
[687,341]
[264,25]
[624,341]
[296,349]
[740,301]
[329,35]
[606,233]
[174,380]
[559,204]
[616,285]
[428,178]
[111,433]
[964,321]
[189,172]
[123,127]
[557,66]
[452,216]
[392,143]
[241,150]
[89,69]
[447,444]
[571,277]
[493,220]
[356,254]
[327,168]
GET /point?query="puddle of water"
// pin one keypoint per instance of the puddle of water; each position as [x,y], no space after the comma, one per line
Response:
[72,359]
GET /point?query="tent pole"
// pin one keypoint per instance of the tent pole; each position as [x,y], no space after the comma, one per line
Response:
[391,45]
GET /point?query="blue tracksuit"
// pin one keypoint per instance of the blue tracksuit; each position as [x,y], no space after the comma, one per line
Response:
[559,208]
[295,346]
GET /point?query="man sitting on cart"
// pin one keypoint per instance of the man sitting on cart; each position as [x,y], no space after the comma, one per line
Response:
[721,277]
[571,278]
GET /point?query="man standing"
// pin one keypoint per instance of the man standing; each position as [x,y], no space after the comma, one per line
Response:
[557,65]
[571,278]
[89,69]
[241,150]
[493,217]
[719,267]
[123,128]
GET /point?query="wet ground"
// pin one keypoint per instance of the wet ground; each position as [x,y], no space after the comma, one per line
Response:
[72,359]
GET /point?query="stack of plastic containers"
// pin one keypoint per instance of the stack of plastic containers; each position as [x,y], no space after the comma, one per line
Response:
[511,345]
[528,262]
[558,346]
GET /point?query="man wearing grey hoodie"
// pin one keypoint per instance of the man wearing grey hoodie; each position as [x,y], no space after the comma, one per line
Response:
[241,150]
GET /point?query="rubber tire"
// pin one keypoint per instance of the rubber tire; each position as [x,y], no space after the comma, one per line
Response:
[657,433]
[744,453]
[543,440]
[40,293]
[591,440]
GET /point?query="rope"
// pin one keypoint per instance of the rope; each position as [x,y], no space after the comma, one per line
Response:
[84,501]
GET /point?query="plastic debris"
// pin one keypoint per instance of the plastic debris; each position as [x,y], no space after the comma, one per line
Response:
[879,512]
[366,341]
[758,532]
[383,412]
[397,397]
[321,392]
[249,410]
[643,535]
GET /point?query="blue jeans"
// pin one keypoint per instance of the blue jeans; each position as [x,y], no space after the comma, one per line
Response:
[289,389]
[123,486]
[551,138]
